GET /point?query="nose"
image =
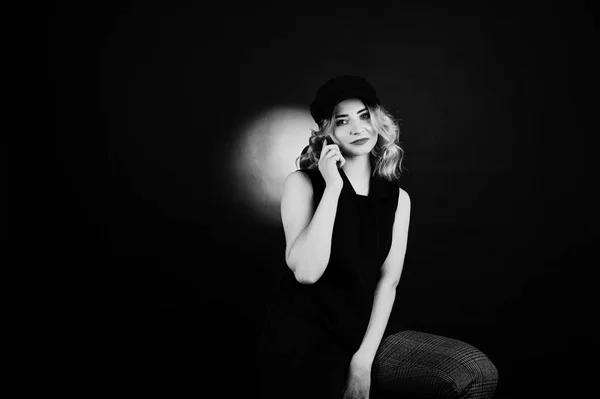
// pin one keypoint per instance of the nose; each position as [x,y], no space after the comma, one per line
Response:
[357,127]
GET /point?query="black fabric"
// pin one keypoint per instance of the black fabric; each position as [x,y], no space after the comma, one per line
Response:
[338,89]
[319,326]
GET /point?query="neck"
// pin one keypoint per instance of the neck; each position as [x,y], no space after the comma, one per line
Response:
[358,169]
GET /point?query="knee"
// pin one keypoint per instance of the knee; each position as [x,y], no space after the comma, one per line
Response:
[477,377]
[431,365]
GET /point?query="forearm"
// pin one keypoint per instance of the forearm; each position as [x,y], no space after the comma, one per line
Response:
[385,295]
[309,255]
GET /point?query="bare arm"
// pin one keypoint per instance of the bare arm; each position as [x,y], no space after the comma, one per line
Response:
[308,231]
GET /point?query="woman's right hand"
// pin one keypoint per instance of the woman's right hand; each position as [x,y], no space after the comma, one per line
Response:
[328,164]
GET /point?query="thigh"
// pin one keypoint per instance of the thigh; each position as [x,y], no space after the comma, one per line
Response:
[321,377]
[300,360]
[422,365]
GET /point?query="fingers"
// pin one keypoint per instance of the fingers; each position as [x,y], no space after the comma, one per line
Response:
[336,156]
[326,148]
[333,153]
[329,151]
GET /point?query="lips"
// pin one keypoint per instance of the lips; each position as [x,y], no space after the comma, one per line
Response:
[360,141]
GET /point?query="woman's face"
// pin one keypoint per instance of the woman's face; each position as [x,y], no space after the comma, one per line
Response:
[352,129]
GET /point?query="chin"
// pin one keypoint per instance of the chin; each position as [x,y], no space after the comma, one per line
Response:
[356,152]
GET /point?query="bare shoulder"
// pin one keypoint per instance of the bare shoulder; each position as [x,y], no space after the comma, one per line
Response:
[403,195]
[296,201]
[403,200]
[297,181]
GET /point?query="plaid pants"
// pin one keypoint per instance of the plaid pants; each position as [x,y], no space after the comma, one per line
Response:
[411,364]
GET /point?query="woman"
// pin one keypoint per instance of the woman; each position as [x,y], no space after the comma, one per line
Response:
[346,223]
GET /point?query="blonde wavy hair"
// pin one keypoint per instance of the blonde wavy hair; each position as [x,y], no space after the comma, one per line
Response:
[386,156]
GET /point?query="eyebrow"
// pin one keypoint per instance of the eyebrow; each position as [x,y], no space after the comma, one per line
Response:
[343,115]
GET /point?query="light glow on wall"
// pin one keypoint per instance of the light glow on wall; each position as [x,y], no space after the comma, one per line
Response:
[266,154]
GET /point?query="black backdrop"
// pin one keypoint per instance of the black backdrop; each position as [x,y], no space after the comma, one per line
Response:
[144,271]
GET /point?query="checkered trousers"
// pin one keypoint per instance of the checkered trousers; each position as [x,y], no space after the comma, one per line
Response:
[411,364]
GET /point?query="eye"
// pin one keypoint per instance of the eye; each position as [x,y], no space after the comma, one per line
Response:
[366,115]
[340,122]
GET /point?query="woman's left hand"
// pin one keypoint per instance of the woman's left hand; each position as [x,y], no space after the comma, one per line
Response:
[359,381]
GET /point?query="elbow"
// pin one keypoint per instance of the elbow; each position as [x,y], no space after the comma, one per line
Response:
[390,276]
[389,283]
[303,273]
[304,278]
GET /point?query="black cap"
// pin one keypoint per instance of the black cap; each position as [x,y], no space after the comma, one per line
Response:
[339,89]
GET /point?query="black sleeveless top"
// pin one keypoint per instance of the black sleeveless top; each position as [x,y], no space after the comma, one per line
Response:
[336,309]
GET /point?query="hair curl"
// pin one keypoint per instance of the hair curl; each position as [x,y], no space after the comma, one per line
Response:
[386,156]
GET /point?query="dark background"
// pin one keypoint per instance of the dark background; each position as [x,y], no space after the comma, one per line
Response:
[141,271]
